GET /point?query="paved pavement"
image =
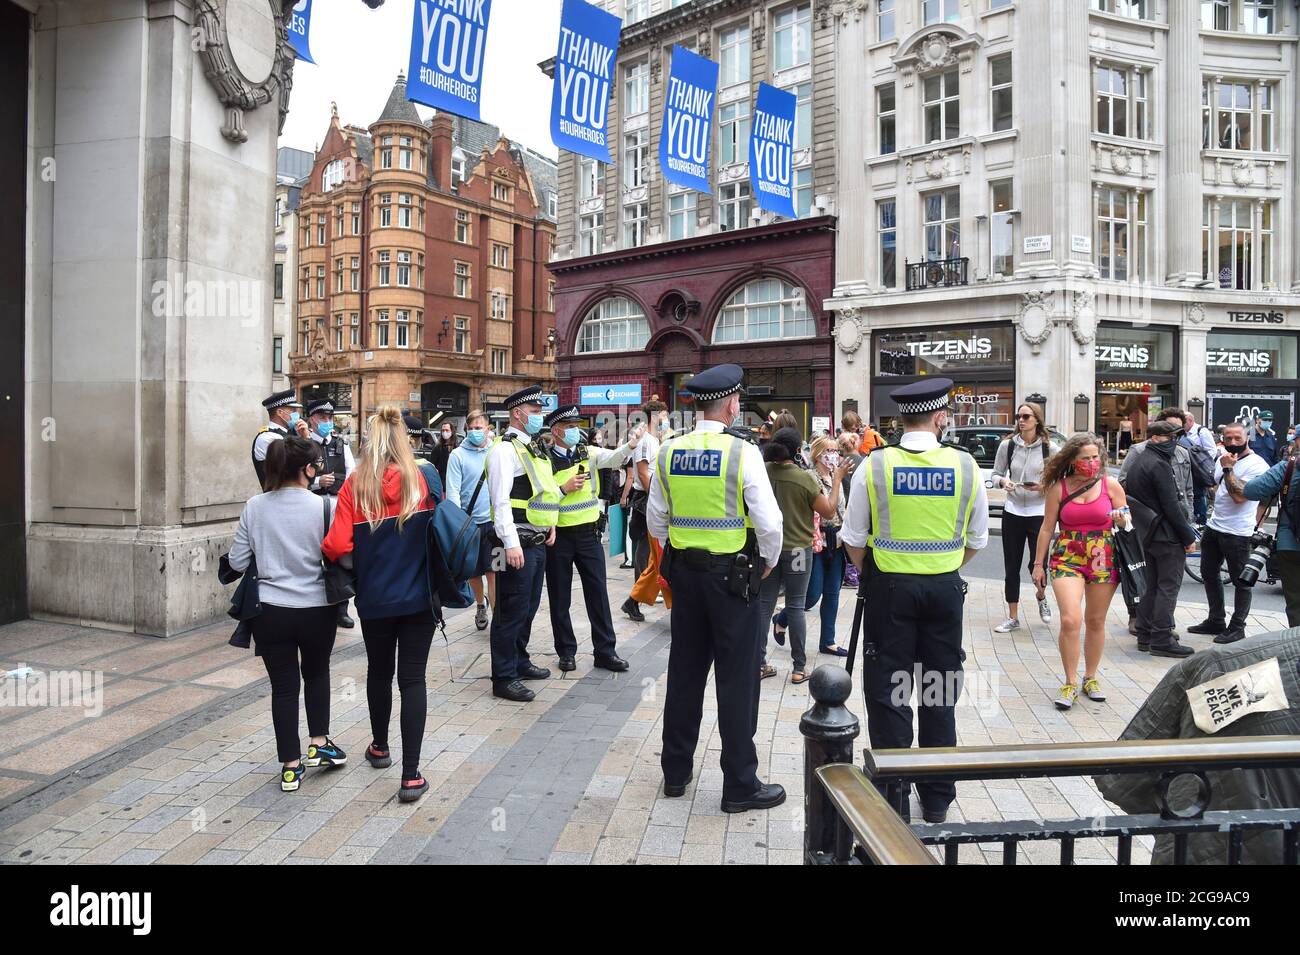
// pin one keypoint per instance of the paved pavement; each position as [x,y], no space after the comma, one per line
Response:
[180,767]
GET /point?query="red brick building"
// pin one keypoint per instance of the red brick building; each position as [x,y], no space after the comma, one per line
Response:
[655,315]
[421,265]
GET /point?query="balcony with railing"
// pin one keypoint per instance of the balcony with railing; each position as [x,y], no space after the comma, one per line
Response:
[855,815]
[938,273]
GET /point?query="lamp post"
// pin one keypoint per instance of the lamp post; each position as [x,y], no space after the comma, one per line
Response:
[1082,417]
[1037,399]
[1196,406]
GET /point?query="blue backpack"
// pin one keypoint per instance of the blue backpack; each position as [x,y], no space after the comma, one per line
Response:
[446,584]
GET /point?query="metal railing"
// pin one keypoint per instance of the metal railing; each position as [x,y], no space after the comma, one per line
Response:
[856,816]
[937,273]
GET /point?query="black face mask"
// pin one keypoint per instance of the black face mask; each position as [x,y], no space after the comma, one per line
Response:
[1235,448]
[1164,447]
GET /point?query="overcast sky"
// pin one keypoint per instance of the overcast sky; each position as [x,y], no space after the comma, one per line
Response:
[359,51]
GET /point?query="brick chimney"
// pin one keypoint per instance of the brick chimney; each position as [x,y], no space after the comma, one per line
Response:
[440,150]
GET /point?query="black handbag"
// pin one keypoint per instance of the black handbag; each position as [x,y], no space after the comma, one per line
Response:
[340,580]
[1131,565]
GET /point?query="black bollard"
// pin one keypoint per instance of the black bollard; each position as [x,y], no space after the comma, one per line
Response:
[828,729]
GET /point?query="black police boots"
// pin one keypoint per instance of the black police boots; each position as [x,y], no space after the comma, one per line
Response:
[768,796]
[512,690]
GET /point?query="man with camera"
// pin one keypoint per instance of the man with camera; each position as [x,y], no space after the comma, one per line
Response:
[1283,478]
[1228,536]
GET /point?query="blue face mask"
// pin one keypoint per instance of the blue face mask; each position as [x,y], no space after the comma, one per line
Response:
[294,418]
[534,424]
[325,428]
[1266,425]
[572,436]
[476,437]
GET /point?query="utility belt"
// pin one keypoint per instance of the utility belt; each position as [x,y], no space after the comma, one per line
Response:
[587,529]
[742,570]
[529,536]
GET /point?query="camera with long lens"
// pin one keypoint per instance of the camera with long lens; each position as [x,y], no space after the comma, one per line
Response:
[1261,549]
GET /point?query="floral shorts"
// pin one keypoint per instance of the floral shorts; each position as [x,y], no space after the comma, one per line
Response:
[1086,554]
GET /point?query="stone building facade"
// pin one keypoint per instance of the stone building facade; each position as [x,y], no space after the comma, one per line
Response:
[421,278]
[1093,203]
[656,282]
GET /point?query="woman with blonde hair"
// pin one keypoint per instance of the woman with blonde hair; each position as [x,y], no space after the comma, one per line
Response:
[1088,503]
[382,520]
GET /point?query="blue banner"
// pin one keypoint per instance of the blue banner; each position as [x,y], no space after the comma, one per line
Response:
[584,76]
[447,44]
[610,395]
[771,150]
[688,119]
[299,27]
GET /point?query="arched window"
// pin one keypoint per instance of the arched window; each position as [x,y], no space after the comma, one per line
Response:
[615,324]
[768,308]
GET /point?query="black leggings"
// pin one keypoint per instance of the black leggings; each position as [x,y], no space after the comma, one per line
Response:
[1018,531]
[407,640]
[281,634]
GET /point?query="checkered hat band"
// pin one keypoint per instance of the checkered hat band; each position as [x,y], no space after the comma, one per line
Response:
[533,397]
[921,407]
[716,395]
[291,400]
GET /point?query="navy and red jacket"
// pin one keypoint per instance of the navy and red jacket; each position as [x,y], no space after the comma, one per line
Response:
[391,564]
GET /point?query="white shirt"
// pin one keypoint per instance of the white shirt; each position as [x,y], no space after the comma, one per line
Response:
[1229,517]
[503,467]
[602,458]
[760,502]
[857,518]
[273,432]
[647,449]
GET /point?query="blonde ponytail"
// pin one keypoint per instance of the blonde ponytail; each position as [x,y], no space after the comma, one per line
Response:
[386,445]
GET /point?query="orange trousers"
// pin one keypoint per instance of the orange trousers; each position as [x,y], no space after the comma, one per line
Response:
[650,584]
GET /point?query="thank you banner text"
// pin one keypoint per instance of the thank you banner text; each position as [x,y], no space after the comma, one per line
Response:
[299,28]
[771,150]
[688,118]
[447,45]
[584,75]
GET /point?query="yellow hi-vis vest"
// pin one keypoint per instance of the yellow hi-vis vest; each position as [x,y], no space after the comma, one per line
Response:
[542,507]
[921,504]
[583,505]
[703,480]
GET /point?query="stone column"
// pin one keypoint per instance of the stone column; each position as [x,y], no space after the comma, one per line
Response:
[1182,199]
[151,296]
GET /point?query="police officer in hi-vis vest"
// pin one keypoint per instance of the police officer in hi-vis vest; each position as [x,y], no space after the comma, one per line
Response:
[576,542]
[525,509]
[921,508]
[337,464]
[712,507]
[285,414]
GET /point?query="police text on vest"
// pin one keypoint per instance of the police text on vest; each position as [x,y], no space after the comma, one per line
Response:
[928,482]
[696,462]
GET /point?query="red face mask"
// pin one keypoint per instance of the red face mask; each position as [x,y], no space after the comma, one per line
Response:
[1087,468]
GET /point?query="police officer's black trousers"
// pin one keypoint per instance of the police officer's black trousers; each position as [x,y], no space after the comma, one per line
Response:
[578,547]
[519,594]
[712,626]
[914,619]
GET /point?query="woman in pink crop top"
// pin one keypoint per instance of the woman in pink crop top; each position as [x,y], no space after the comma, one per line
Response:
[1087,503]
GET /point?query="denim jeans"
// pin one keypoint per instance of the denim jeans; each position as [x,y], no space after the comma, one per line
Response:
[794,569]
[824,585]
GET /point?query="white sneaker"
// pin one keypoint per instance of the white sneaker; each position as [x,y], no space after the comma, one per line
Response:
[1045,610]
[1065,700]
[1006,626]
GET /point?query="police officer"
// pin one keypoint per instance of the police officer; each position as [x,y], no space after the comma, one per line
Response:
[921,509]
[284,413]
[337,456]
[525,509]
[712,506]
[577,543]
[337,464]
[415,431]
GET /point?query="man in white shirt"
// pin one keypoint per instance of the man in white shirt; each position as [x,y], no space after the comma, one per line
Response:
[525,509]
[707,488]
[1200,440]
[933,514]
[1228,534]
[643,460]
